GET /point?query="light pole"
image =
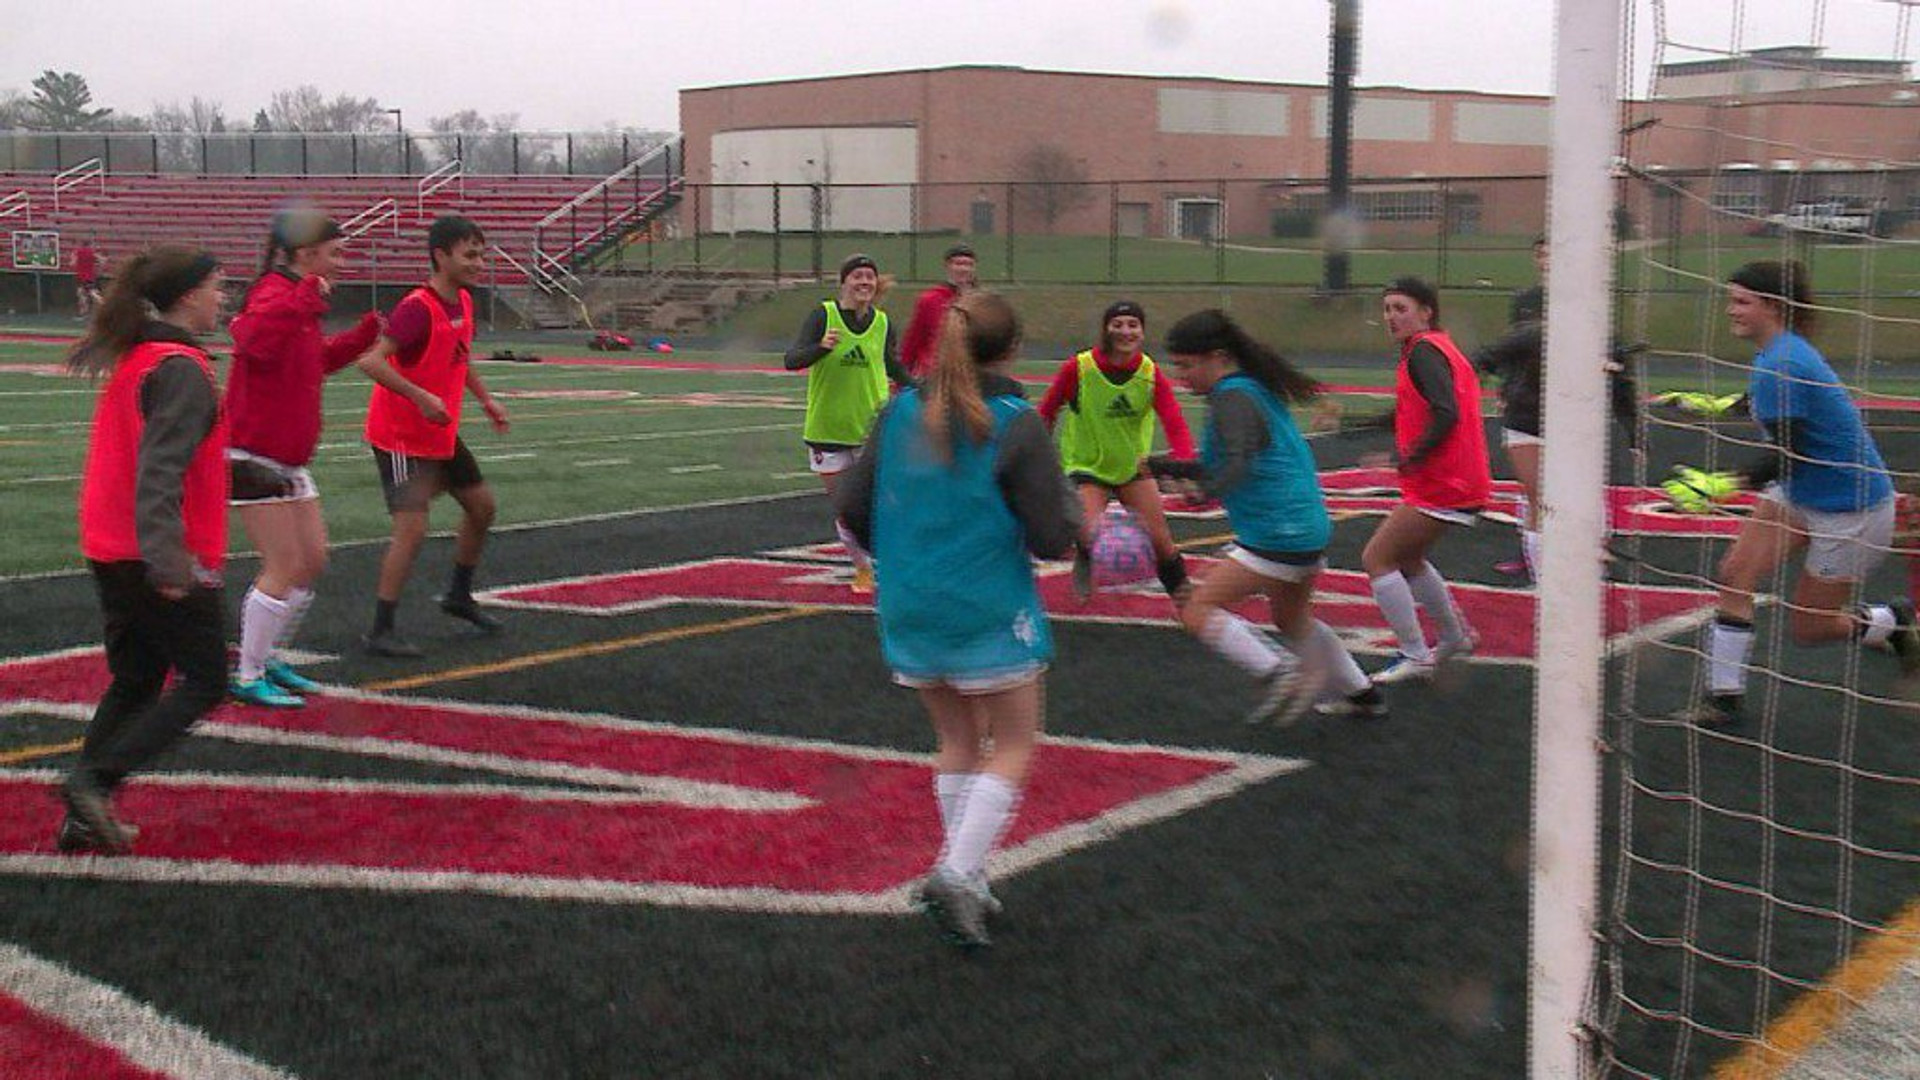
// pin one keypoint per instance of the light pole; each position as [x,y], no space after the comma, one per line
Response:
[400,130]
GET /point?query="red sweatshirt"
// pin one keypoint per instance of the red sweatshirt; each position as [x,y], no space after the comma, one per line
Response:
[1065,389]
[922,343]
[280,358]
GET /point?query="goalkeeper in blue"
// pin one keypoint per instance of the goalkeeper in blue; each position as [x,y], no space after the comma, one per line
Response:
[1824,493]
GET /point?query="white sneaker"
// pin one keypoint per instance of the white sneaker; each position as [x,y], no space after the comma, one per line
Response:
[1280,698]
[1403,668]
[1365,705]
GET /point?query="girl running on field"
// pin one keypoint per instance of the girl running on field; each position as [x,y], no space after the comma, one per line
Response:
[1440,447]
[958,490]
[1255,461]
[280,361]
[153,526]
[1111,394]
[849,352]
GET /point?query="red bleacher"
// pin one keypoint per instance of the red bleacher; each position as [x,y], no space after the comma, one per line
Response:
[229,214]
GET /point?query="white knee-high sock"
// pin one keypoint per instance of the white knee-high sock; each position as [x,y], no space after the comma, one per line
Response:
[261,619]
[1395,597]
[1729,645]
[857,553]
[1530,551]
[1235,638]
[987,811]
[950,790]
[1430,589]
[298,601]
[1344,675]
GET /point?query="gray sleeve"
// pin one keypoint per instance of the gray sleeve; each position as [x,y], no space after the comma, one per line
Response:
[853,493]
[1432,377]
[1035,487]
[179,405]
[895,370]
[806,348]
[1520,345]
[1242,429]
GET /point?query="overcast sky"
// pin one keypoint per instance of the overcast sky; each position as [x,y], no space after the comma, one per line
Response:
[580,63]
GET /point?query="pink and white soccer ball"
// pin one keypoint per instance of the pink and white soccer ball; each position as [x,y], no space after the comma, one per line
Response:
[1122,553]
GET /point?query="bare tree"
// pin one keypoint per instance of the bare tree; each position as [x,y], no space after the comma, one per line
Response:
[305,109]
[198,116]
[1051,183]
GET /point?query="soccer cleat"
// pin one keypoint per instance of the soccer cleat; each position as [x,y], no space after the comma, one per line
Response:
[1905,640]
[1367,704]
[862,584]
[75,838]
[467,609]
[1082,574]
[1403,668]
[1462,646]
[263,693]
[1717,713]
[959,911]
[281,674]
[1309,678]
[389,643]
[87,803]
[1278,697]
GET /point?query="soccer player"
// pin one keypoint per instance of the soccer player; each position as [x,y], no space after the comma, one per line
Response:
[416,437]
[153,527]
[1441,454]
[849,352]
[280,361]
[957,492]
[1823,490]
[922,340]
[1111,394]
[1262,471]
[86,277]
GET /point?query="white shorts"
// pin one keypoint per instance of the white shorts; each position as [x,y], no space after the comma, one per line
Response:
[1841,546]
[828,462]
[992,682]
[1451,517]
[1510,437]
[1276,571]
[258,481]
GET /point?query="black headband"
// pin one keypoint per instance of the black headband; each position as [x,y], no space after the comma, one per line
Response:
[1123,307]
[164,294]
[855,262]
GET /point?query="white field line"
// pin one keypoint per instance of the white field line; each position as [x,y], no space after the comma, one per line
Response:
[601,463]
[682,470]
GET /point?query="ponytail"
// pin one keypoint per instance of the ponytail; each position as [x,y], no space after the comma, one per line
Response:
[152,280]
[1214,330]
[980,328]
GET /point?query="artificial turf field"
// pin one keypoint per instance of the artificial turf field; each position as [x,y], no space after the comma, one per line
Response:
[668,830]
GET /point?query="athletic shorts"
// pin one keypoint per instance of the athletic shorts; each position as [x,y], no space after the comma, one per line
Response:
[1087,479]
[1844,545]
[258,481]
[410,482]
[1452,517]
[1276,567]
[827,460]
[992,682]
[1515,437]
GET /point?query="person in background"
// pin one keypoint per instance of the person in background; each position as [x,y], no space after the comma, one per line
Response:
[849,351]
[86,277]
[917,349]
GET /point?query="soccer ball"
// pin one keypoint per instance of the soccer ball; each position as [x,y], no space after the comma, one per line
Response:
[1122,553]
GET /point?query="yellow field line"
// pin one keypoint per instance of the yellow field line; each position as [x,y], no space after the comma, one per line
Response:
[1818,1013]
[592,648]
[34,753]
[1204,541]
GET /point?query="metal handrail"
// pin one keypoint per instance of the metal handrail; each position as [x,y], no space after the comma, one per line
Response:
[371,218]
[17,203]
[451,172]
[544,281]
[90,169]
[613,178]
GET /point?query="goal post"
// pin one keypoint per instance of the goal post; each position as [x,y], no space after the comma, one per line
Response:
[1565,863]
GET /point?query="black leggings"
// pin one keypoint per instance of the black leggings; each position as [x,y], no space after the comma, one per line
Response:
[147,636]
